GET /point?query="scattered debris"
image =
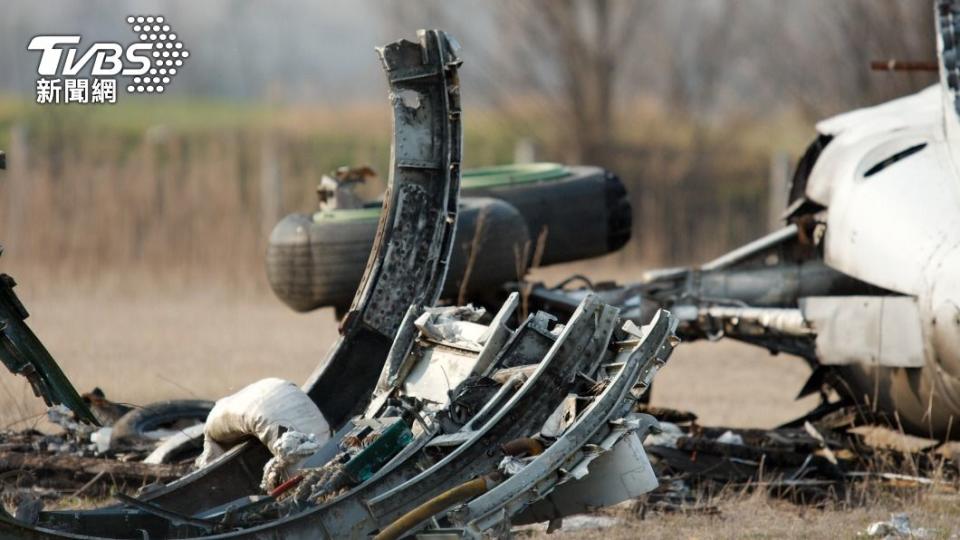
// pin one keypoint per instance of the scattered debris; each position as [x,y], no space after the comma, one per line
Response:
[421,448]
[32,462]
[578,522]
[142,428]
[897,527]
[290,449]
[107,412]
[83,459]
[729,437]
[809,465]
[884,437]
[64,417]
[340,189]
[179,447]
[452,325]
[666,435]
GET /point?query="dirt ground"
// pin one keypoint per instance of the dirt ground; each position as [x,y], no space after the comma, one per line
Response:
[140,345]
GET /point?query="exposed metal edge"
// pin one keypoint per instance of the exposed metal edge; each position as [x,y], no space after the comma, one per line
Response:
[411,251]
[342,383]
[351,514]
[497,334]
[332,515]
[747,250]
[543,367]
[524,413]
[539,477]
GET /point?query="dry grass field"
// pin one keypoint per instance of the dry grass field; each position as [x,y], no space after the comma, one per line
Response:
[756,516]
[140,341]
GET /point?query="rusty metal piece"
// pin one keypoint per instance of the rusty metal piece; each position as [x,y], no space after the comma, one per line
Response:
[524,446]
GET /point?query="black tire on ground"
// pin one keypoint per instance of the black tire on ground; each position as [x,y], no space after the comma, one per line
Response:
[131,429]
[318,260]
[584,210]
[498,232]
[315,264]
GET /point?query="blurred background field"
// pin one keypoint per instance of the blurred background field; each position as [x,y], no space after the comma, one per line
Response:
[189,190]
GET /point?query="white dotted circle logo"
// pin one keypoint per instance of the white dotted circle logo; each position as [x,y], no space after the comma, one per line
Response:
[168,51]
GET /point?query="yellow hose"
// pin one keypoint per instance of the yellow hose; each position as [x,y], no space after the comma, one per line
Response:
[463,492]
[523,446]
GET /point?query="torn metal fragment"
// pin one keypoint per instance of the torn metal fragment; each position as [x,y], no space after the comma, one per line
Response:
[23,354]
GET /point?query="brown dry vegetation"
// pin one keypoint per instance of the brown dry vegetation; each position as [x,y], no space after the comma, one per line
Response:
[753,515]
[188,191]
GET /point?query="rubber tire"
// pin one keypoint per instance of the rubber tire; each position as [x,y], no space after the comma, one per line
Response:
[585,214]
[315,263]
[130,429]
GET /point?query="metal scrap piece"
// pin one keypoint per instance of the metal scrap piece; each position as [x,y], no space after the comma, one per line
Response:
[403,277]
[358,512]
[23,354]
[407,267]
[583,339]
[342,383]
[348,515]
[411,252]
[640,363]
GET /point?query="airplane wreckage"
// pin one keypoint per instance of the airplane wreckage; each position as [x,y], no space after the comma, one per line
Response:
[531,409]
[429,419]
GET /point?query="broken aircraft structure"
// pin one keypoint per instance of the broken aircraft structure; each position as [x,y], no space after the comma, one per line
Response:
[527,411]
[860,282]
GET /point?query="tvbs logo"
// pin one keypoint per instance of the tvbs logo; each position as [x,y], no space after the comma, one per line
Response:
[148,65]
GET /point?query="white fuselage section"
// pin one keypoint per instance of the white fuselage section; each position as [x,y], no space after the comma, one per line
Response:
[890,184]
